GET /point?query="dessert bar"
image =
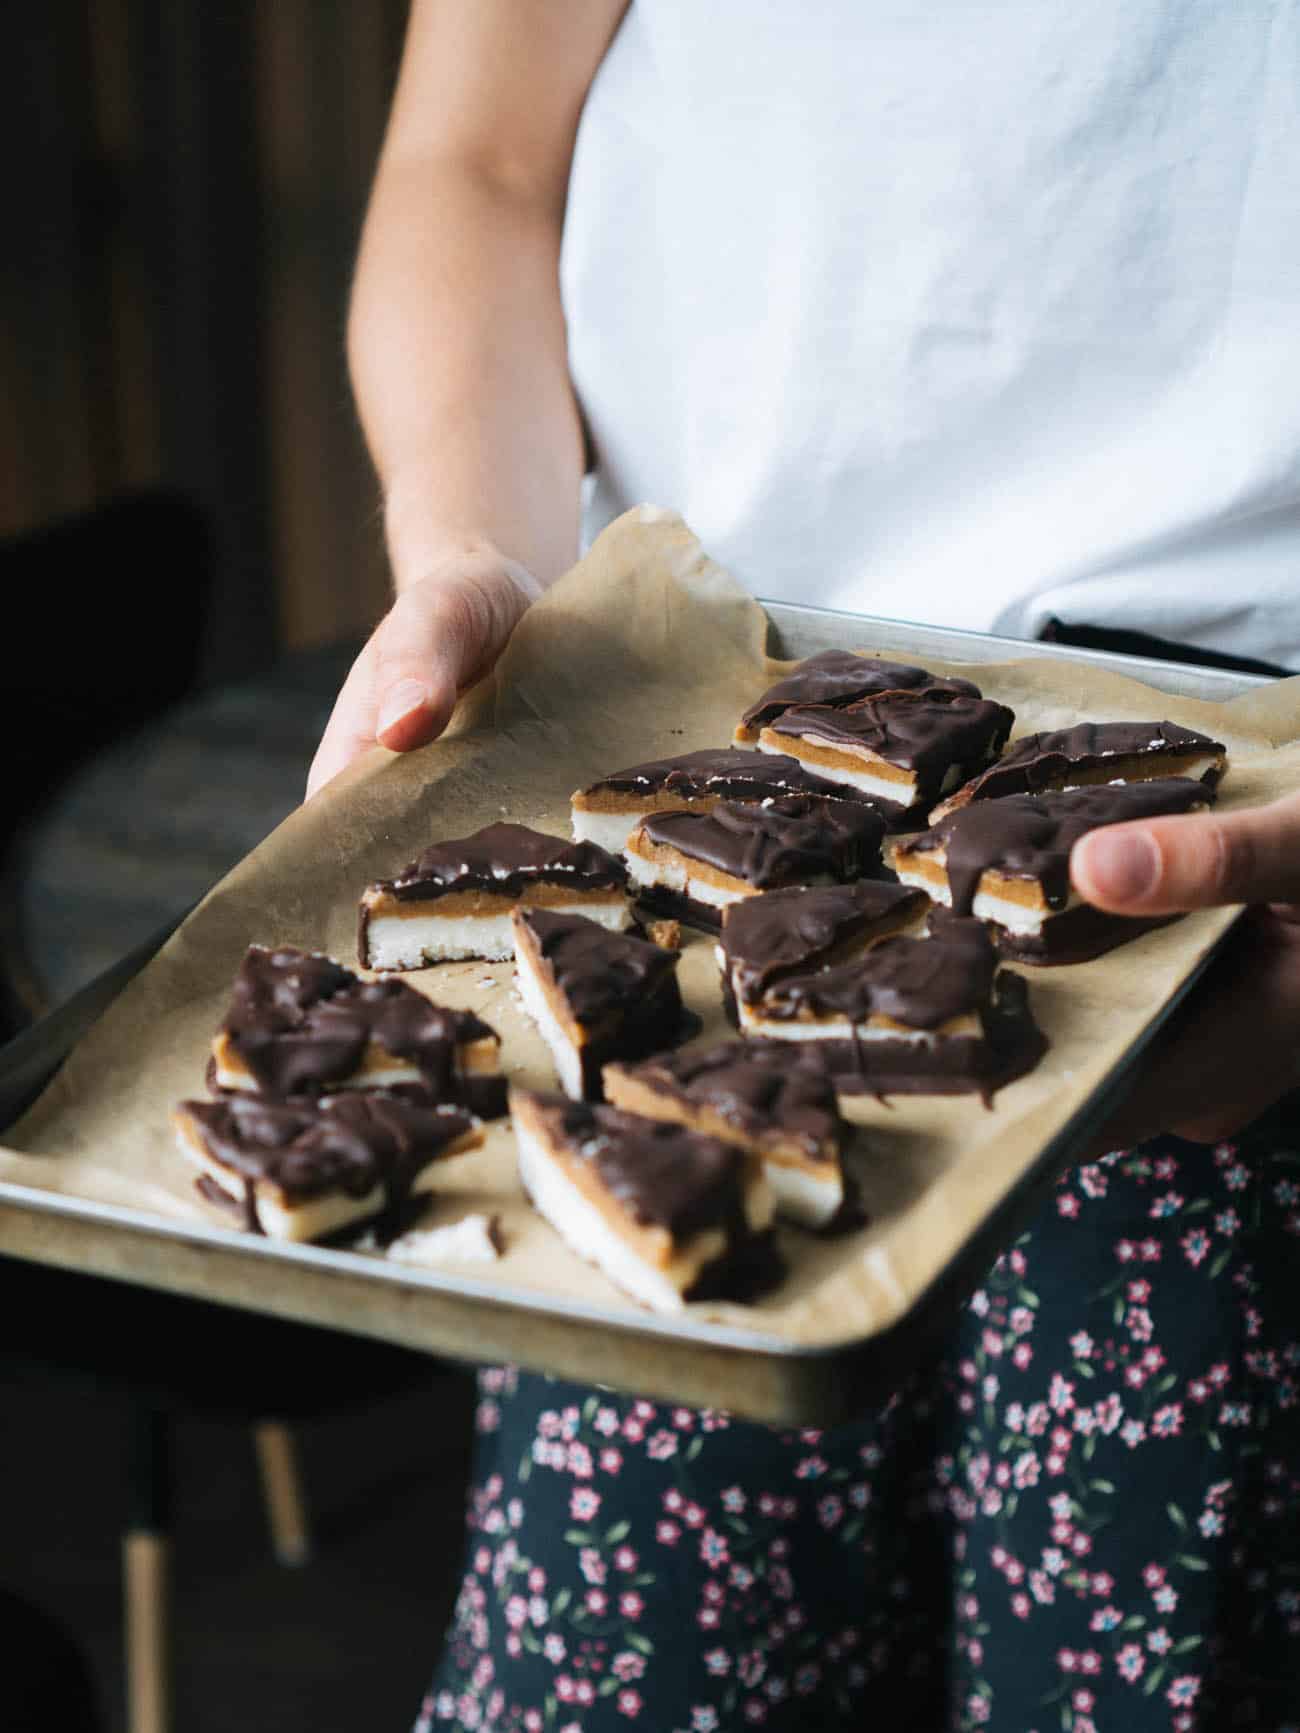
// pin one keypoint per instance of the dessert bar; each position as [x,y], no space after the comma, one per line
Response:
[1093,752]
[302,1170]
[301,1024]
[455,900]
[594,995]
[759,1096]
[930,1015]
[795,931]
[906,747]
[691,865]
[608,811]
[1007,861]
[667,1214]
[840,677]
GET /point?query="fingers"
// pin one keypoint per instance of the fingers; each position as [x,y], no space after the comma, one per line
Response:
[437,639]
[1167,865]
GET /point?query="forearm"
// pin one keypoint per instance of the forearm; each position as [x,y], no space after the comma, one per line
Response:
[457,352]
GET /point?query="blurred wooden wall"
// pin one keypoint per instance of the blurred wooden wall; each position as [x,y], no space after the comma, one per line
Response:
[188,181]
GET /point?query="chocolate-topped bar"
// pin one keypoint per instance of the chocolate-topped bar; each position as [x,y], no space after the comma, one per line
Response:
[1007,861]
[301,1024]
[302,1170]
[794,931]
[608,811]
[840,677]
[759,1096]
[594,995]
[455,900]
[667,1214]
[907,747]
[931,1015]
[1093,752]
[693,864]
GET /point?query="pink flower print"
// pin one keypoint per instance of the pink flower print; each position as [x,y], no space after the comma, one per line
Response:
[1081,1345]
[991,1342]
[644,1410]
[1150,1250]
[979,1303]
[580,1461]
[1036,1420]
[1061,1506]
[548,1423]
[625,1559]
[1014,1571]
[597,1601]
[487,1416]
[708,1618]
[533,1721]
[1092,1181]
[1236,1178]
[733,1500]
[751,1669]
[1042,1588]
[605,1422]
[1016,1259]
[1167,1205]
[1002,1474]
[714,1419]
[1133,1432]
[755,1710]
[780,1547]
[1053,1560]
[1210,1523]
[693,1515]
[1083,1700]
[662,1445]
[704,1720]
[482,1561]
[627,1665]
[583,1503]
[740,1577]
[1159,1641]
[1056,1462]
[633,1429]
[1139,1291]
[1061,1394]
[1234,1414]
[514,1647]
[516,1612]
[1125,1251]
[830,1510]
[584,1692]
[1081,1545]
[1165,1598]
[1218,1493]
[1061,1532]
[536,1580]
[611,1460]
[1153,1575]
[1135,1376]
[1020,1605]
[1067,1660]
[811,1468]
[1139,1323]
[667,1533]
[1026,1470]
[1105,1619]
[1183,1692]
[1196,1245]
[1014,1418]
[713,1548]
[630,1604]
[1218,1374]
[977,1708]
[1090,1662]
[718,1661]
[1167,1422]
[1131,1663]
[570,1420]
[1068,1205]
[673,1500]
[553,1648]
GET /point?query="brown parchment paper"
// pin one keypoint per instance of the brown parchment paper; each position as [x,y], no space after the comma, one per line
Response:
[646,648]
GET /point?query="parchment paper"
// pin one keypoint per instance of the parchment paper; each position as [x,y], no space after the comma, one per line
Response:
[646,648]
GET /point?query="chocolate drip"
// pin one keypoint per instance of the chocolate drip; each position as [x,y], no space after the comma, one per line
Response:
[779,842]
[1047,761]
[346,1143]
[599,973]
[505,859]
[922,731]
[757,1086]
[838,677]
[790,931]
[1030,835]
[920,983]
[724,773]
[302,1023]
[662,1174]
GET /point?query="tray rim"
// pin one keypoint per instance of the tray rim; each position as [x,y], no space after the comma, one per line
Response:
[788,1381]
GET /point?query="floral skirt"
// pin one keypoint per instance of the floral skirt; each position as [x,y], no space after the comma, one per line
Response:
[1085,1516]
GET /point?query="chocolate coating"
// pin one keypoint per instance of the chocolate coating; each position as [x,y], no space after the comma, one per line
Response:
[599,973]
[722,773]
[779,842]
[505,859]
[925,732]
[791,931]
[1030,835]
[1047,761]
[662,1174]
[920,983]
[301,1023]
[757,1086]
[838,677]
[350,1143]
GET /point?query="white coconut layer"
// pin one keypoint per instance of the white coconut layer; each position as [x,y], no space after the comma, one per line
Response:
[1015,917]
[385,1078]
[865,781]
[412,941]
[668,876]
[610,830]
[811,1200]
[568,1060]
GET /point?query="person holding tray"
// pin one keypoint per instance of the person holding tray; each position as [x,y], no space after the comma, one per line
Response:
[985,316]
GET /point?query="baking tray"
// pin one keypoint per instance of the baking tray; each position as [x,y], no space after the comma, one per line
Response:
[452,1315]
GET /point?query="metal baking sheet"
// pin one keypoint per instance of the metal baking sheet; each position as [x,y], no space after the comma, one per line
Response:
[449,1314]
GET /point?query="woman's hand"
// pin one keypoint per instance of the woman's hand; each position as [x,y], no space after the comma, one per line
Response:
[442,634]
[1235,1047]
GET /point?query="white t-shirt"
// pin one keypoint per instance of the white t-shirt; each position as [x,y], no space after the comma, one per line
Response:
[971,311]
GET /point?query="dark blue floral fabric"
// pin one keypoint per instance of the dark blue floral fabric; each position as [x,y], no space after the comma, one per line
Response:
[1085,1517]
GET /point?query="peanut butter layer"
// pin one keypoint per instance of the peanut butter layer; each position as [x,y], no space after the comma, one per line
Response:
[457,905]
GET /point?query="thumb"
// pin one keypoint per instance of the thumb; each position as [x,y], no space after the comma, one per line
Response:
[1168,865]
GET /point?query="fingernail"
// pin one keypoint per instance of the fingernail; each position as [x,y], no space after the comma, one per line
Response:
[1123,868]
[400,701]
